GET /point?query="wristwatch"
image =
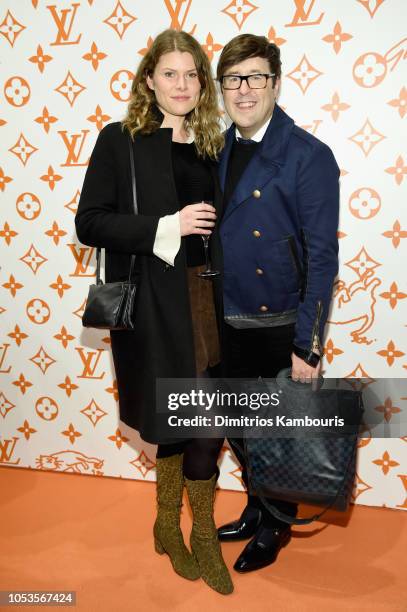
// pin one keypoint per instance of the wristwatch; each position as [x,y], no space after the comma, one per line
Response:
[308,356]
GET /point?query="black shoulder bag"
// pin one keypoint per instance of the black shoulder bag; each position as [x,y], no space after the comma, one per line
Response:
[110,305]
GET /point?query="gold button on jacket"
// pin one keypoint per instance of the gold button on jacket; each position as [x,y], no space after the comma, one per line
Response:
[256,193]
[256,233]
[259,271]
[264,308]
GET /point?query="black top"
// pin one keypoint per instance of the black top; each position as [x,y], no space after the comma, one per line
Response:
[193,182]
[240,156]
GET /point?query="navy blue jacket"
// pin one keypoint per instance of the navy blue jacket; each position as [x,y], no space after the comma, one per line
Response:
[279,233]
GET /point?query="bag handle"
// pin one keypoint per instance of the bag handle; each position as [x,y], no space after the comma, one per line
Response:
[135,208]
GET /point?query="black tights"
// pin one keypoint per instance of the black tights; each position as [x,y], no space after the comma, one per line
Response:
[200,456]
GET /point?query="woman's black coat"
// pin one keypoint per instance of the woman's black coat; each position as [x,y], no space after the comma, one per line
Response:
[162,344]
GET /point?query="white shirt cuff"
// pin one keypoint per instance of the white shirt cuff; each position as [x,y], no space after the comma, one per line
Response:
[168,238]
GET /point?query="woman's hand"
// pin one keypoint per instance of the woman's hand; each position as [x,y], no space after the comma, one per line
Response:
[194,218]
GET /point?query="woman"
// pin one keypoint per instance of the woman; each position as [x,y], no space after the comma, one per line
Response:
[173,119]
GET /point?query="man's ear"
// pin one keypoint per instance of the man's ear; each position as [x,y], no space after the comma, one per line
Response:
[277,88]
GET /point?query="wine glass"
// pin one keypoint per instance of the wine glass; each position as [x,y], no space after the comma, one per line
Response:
[208,272]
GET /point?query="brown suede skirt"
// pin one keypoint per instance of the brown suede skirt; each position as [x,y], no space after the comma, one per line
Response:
[206,339]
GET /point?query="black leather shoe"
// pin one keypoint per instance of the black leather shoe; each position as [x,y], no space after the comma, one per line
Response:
[262,550]
[242,529]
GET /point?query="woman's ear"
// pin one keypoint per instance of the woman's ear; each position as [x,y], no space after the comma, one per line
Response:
[150,82]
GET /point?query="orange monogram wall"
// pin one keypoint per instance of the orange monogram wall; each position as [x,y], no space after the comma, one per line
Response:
[66,71]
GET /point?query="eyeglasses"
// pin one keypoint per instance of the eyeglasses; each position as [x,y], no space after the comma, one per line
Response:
[254,81]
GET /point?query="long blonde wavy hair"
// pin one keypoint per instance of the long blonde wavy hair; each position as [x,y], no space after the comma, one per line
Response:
[203,119]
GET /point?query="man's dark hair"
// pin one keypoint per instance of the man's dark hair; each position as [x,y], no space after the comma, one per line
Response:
[244,46]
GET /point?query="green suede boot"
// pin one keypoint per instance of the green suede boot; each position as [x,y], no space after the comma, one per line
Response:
[204,536]
[167,532]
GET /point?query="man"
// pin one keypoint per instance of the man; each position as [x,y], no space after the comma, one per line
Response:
[280,252]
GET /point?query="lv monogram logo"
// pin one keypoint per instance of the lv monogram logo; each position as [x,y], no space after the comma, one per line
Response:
[74,150]
[82,264]
[174,11]
[64,28]
[3,351]
[301,15]
[403,479]
[90,360]
[6,454]
[312,127]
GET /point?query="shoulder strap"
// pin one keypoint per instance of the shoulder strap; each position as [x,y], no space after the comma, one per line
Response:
[135,208]
[133,174]
[134,192]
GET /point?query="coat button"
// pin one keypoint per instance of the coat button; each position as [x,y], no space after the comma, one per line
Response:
[256,193]
[256,233]
[264,308]
[259,271]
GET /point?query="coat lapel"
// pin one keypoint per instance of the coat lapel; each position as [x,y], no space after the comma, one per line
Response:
[265,163]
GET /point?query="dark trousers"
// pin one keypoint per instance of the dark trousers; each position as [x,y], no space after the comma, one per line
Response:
[250,353]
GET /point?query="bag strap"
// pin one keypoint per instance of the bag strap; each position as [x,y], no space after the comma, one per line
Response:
[133,175]
[281,516]
[135,208]
[98,278]
[134,192]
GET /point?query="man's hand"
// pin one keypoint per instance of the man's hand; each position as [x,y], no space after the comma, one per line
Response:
[194,218]
[301,371]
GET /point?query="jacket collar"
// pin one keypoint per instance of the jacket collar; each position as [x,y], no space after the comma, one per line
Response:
[157,114]
[266,162]
[272,149]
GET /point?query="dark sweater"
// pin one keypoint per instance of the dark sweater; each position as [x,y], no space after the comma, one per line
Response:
[240,156]
[193,182]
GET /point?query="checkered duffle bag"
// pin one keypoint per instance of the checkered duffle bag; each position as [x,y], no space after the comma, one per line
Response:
[312,470]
